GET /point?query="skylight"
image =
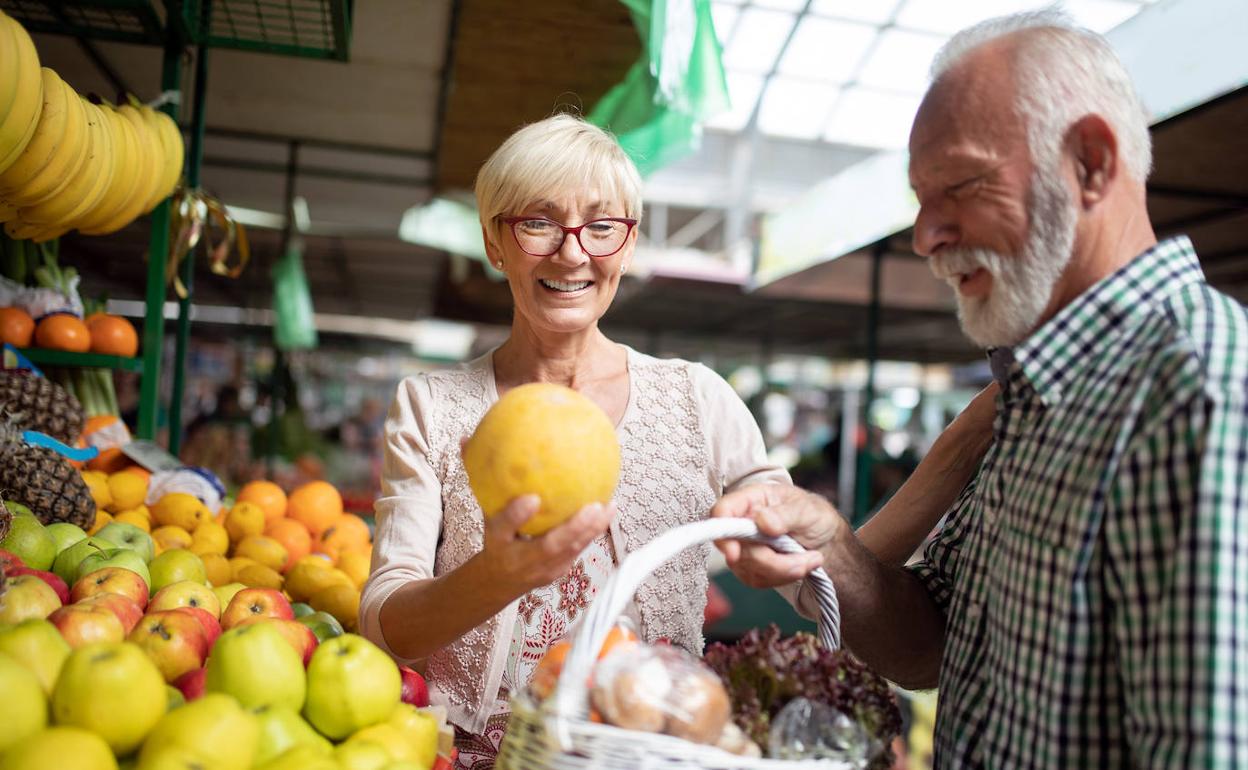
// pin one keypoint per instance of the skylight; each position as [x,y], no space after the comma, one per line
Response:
[852,71]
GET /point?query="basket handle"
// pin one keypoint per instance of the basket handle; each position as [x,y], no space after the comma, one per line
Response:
[571,698]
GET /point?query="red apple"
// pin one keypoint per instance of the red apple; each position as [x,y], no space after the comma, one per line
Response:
[113,580]
[10,561]
[191,683]
[57,584]
[414,691]
[26,596]
[126,609]
[175,641]
[207,621]
[256,602]
[299,635]
[85,624]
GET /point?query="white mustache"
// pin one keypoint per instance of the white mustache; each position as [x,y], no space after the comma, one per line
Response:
[951,265]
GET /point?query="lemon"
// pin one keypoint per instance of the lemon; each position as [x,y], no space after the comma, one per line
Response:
[133,516]
[178,509]
[216,568]
[170,537]
[210,537]
[307,578]
[97,485]
[341,601]
[102,519]
[258,576]
[244,519]
[128,490]
[547,440]
[263,549]
[356,564]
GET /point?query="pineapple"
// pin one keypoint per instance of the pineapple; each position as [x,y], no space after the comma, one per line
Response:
[43,481]
[5,518]
[37,403]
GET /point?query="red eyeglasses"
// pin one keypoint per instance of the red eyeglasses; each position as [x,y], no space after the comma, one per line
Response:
[541,237]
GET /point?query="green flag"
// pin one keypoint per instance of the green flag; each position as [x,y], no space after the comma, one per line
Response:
[657,111]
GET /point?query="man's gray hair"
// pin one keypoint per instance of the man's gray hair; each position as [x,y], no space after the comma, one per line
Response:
[1064,73]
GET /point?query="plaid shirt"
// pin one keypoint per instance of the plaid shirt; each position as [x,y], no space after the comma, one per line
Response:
[1094,577]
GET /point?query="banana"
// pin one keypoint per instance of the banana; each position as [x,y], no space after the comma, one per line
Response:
[84,191]
[7,211]
[66,160]
[9,69]
[19,123]
[172,153]
[148,158]
[125,177]
[47,140]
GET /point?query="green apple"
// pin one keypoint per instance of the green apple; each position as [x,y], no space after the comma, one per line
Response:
[361,755]
[17,509]
[176,565]
[30,542]
[213,731]
[226,592]
[300,609]
[66,565]
[65,534]
[24,707]
[301,758]
[25,597]
[115,557]
[112,689]
[129,536]
[176,698]
[324,625]
[256,665]
[65,748]
[351,684]
[37,645]
[281,729]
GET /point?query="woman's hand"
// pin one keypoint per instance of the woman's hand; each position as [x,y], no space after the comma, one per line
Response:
[525,563]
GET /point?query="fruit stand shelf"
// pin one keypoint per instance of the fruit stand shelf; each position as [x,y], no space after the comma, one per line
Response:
[316,29]
[48,357]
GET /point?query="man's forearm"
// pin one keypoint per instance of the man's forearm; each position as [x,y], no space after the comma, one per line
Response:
[888,619]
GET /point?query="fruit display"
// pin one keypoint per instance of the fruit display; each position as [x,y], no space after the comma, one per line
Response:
[66,163]
[188,675]
[547,440]
[43,481]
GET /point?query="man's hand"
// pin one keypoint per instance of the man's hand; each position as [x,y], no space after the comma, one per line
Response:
[778,509]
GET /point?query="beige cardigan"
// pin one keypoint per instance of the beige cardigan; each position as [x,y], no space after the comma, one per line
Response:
[685,439]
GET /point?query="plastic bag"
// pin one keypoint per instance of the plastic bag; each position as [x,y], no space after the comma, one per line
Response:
[198,482]
[661,689]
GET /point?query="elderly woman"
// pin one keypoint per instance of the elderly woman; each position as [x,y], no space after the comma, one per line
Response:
[476,603]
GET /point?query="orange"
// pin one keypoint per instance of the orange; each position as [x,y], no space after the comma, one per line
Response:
[63,332]
[292,535]
[546,673]
[244,520]
[110,460]
[264,550]
[618,635]
[16,327]
[347,533]
[317,504]
[267,495]
[113,335]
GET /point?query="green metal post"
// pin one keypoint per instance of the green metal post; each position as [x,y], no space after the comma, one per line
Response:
[157,253]
[863,500]
[194,166]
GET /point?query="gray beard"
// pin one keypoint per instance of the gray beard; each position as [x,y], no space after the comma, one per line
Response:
[1022,286]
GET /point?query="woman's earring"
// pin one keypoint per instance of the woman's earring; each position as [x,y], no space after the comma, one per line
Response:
[623,269]
[499,264]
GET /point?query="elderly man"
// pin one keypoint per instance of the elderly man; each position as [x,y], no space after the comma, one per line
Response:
[1086,604]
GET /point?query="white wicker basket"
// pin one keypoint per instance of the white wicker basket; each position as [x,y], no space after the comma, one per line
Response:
[559,735]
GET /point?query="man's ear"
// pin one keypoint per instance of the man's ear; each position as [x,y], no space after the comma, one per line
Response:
[1095,149]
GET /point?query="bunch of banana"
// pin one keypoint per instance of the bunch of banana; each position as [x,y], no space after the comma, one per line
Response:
[66,163]
[21,90]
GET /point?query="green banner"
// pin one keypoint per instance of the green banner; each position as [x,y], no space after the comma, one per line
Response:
[295,326]
[657,111]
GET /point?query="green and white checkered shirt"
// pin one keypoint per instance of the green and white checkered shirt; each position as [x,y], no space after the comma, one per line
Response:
[1094,576]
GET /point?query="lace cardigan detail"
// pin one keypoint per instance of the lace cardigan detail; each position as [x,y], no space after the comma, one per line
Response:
[677,458]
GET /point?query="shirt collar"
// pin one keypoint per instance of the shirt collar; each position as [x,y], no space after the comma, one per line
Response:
[1059,351]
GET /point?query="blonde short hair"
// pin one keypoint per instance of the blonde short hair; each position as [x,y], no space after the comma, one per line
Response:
[550,157]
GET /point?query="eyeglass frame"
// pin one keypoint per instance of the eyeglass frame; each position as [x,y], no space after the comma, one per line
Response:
[511,222]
